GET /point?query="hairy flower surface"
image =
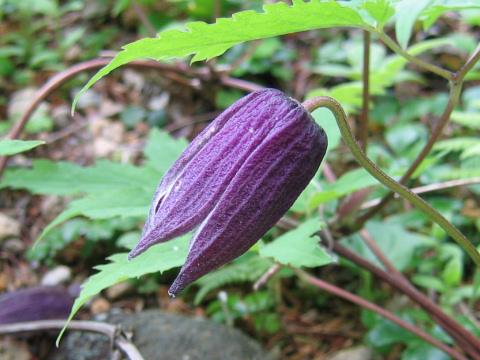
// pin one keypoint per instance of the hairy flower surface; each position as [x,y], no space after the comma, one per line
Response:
[235,181]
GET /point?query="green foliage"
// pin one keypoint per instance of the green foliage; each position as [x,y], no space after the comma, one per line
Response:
[11,147]
[385,334]
[407,12]
[255,304]
[209,41]
[432,13]
[110,194]
[92,231]
[298,247]
[111,189]
[173,254]
[397,243]
[247,268]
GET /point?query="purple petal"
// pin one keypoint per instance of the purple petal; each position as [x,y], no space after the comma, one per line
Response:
[194,184]
[261,192]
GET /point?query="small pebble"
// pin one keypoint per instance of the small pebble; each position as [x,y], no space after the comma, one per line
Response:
[58,275]
[99,305]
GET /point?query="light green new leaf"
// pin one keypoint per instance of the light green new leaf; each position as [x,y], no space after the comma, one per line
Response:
[133,201]
[348,183]
[380,10]
[209,40]
[12,147]
[468,119]
[393,240]
[161,150]
[64,178]
[172,254]
[431,14]
[298,247]
[407,13]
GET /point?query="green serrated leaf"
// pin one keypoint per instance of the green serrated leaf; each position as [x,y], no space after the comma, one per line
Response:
[457,144]
[473,151]
[172,253]
[467,119]
[207,41]
[246,268]
[429,282]
[380,10]
[407,13]
[393,240]
[65,178]
[12,147]
[431,14]
[349,182]
[298,247]
[124,202]
[453,272]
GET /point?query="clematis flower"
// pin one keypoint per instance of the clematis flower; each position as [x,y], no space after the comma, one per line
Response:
[234,181]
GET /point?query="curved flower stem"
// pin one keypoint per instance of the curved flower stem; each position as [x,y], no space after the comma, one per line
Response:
[379,310]
[341,118]
[456,82]
[452,101]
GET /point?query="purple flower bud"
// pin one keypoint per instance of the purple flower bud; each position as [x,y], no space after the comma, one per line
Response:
[235,181]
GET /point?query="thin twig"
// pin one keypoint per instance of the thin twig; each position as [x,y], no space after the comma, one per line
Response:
[452,101]
[428,188]
[32,326]
[111,330]
[143,18]
[460,74]
[128,348]
[379,310]
[396,48]
[267,276]
[464,338]
[381,256]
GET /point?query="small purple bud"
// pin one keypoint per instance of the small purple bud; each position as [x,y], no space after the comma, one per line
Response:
[235,181]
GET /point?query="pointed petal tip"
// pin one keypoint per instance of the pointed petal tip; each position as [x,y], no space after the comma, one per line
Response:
[177,287]
[134,253]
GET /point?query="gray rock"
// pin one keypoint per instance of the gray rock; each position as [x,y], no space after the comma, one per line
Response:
[354,353]
[164,336]
[58,275]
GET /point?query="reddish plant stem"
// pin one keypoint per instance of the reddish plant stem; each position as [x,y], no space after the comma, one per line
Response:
[379,310]
[464,338]
[143,18]
[428,188]
[383,259]
[249,52]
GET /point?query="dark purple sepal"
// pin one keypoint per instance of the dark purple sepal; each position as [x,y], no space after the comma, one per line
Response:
[235,181]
